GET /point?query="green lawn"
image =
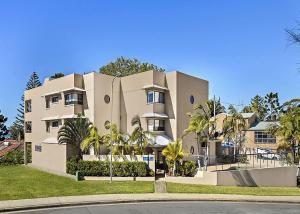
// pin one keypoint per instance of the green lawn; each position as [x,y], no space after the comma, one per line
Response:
[206,189]
[19,182]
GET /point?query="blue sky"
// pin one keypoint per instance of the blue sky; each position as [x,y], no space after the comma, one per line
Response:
[239,46]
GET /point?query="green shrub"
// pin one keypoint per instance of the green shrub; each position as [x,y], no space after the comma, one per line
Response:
[188,168]
[12,158]
[102,168]
[242,158]
[289,159]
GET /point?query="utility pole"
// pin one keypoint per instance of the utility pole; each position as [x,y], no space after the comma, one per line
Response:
[111,116]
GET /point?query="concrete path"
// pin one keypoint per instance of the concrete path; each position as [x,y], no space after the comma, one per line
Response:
[160,186]
[14,205]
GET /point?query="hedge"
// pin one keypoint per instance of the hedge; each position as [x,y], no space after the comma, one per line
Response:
[102,168]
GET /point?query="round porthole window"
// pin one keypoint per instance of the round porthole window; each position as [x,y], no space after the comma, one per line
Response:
[192,150]
[106,99]
[106,125]
[192,99]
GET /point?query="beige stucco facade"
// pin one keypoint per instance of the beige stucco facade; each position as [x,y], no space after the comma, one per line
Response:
[65,97]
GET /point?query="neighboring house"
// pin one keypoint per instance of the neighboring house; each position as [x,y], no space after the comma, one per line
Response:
[162,100]
[255,134]
[8,146]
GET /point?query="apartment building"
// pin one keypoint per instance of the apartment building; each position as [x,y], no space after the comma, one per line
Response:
[256,133]
[162,101]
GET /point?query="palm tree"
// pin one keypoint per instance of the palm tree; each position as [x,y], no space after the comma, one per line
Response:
[73,132]
[288,129]
[200,124]
[174,153]
[120,141]
[233,128]
[139,136]
[93,139]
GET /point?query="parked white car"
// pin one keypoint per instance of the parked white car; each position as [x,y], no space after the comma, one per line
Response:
[267,154]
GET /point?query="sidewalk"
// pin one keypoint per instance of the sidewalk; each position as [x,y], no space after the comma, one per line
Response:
[13,205]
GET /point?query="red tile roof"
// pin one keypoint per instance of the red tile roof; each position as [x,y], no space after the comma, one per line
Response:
[13,145]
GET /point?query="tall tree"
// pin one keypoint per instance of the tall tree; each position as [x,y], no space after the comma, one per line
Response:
[294,34]
[288,129]
[219,108]
[233,129]
[33,81]
[124,66]
[231,109]
[17,129]
[73,132]
[257,106]
[272,106]
[288,105]
[57,75]
[3,129]
[139,136]
[201,125]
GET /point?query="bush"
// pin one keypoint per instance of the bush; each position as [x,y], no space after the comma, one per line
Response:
[12,158]
[289,159]
[188,168]
[102,168]
[242,158]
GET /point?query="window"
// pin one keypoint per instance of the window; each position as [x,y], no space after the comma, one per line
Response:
[156,125]
[47,103]
[150,97]
[107,125]
[192,150]
[155,97]
[54,99]
[106,99]
[55,124]
[28,127]
[28,106]
[73,99]
[264,137]
[192,99]
[47,126]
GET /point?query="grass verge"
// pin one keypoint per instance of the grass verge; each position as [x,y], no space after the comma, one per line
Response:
[207,189]
[20,182]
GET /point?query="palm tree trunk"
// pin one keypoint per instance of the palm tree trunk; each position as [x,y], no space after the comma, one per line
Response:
[174,168]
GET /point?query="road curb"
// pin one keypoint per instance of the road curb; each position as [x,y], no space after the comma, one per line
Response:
[57,202]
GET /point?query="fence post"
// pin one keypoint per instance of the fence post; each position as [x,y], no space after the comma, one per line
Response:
[260,162]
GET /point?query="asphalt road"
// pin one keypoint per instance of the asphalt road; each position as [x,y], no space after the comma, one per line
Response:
[176,208]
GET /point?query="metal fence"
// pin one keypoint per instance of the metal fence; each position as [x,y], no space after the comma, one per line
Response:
[243,161]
